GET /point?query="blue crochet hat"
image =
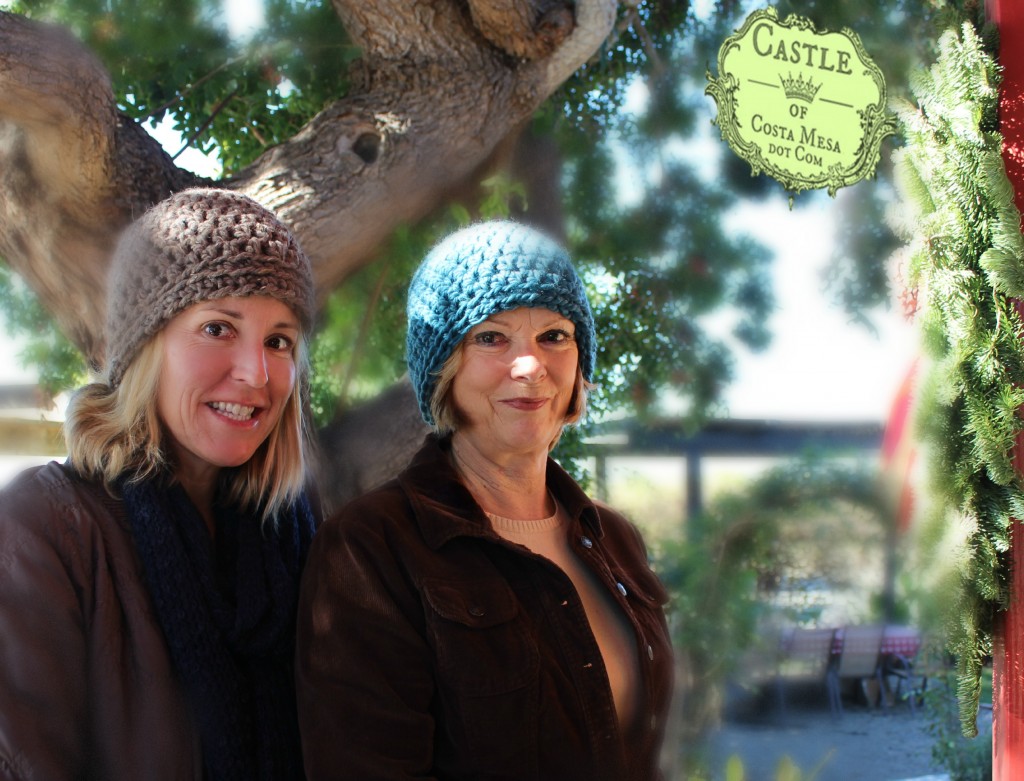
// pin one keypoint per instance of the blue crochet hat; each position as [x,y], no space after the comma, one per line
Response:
[478,271]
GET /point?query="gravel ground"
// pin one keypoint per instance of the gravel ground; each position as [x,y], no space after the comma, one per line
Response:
[865,744]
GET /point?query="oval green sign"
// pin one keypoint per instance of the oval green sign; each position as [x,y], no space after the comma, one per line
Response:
[805,107]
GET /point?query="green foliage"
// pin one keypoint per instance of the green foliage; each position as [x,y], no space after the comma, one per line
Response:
[963,262]
[858,283]
[645,225]
[59,363]
[644,36]
[965,759]
[359,348]
[785,771]
[233,98]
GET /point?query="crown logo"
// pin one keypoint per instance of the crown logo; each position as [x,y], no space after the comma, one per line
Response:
[798,89]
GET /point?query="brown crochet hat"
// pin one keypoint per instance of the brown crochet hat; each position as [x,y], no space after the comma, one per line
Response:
[198,245]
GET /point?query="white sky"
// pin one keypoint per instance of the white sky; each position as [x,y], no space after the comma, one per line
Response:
[819,365]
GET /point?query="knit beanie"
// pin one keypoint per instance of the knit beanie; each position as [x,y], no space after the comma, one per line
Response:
[198,245]
[476,272]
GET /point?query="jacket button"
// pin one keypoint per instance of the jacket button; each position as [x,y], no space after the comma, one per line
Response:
[621,588]
[585,541]
[650,652]
[476,610]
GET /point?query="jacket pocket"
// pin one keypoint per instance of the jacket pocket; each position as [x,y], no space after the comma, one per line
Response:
[482,643]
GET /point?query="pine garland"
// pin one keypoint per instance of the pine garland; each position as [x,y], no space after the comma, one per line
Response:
[965,258]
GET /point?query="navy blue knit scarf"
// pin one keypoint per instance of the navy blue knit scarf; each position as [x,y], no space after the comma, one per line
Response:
[228,614]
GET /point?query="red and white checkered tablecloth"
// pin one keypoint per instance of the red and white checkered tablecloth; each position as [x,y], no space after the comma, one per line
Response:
[902,640]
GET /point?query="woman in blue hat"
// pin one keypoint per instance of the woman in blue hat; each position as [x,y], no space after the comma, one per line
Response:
[479,616]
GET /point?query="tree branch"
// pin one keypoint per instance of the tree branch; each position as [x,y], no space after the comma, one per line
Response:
[433,96]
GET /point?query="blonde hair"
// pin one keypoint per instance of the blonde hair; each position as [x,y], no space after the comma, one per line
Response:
[447,417]
[113,433]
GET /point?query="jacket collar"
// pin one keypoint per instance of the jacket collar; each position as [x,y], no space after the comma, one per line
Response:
[445,509]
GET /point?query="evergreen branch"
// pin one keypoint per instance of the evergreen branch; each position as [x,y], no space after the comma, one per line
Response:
[966,256]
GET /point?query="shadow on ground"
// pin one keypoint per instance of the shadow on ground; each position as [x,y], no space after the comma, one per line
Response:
[864,744]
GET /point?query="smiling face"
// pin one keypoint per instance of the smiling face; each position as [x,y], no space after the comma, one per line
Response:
[516,379]
[227,372]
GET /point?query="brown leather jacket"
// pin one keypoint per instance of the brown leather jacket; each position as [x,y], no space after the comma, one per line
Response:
[86,685]
[428,647]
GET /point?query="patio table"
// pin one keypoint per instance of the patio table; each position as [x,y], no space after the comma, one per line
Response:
[898,639]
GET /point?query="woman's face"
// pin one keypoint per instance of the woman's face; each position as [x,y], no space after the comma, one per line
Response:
[227,373]
[513,388]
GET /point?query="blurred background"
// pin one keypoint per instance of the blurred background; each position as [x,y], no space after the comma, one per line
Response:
[757,357]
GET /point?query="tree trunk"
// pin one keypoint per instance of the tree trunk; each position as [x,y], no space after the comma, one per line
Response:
[438,87]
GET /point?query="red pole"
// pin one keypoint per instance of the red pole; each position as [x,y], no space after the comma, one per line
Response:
[1007,681]
[1008,653]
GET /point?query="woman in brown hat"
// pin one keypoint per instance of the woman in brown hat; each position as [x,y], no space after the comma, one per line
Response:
[149,583]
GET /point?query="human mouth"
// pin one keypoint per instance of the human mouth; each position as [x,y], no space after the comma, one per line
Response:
[524,403]
[239,412]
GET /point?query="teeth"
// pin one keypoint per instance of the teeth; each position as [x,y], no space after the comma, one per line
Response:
[236,411]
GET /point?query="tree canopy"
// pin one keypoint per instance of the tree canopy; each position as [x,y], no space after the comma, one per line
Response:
[598,162]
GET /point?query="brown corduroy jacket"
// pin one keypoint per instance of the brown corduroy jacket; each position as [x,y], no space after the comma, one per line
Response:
[86,685]
[428,647]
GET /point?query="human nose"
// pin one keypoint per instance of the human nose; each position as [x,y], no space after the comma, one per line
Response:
[250,365]
[527,365]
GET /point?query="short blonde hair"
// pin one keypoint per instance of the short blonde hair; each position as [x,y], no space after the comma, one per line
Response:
[115,432]
[447,417]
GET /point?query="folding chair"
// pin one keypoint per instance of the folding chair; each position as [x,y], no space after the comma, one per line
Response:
[804,658]
[860,659]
